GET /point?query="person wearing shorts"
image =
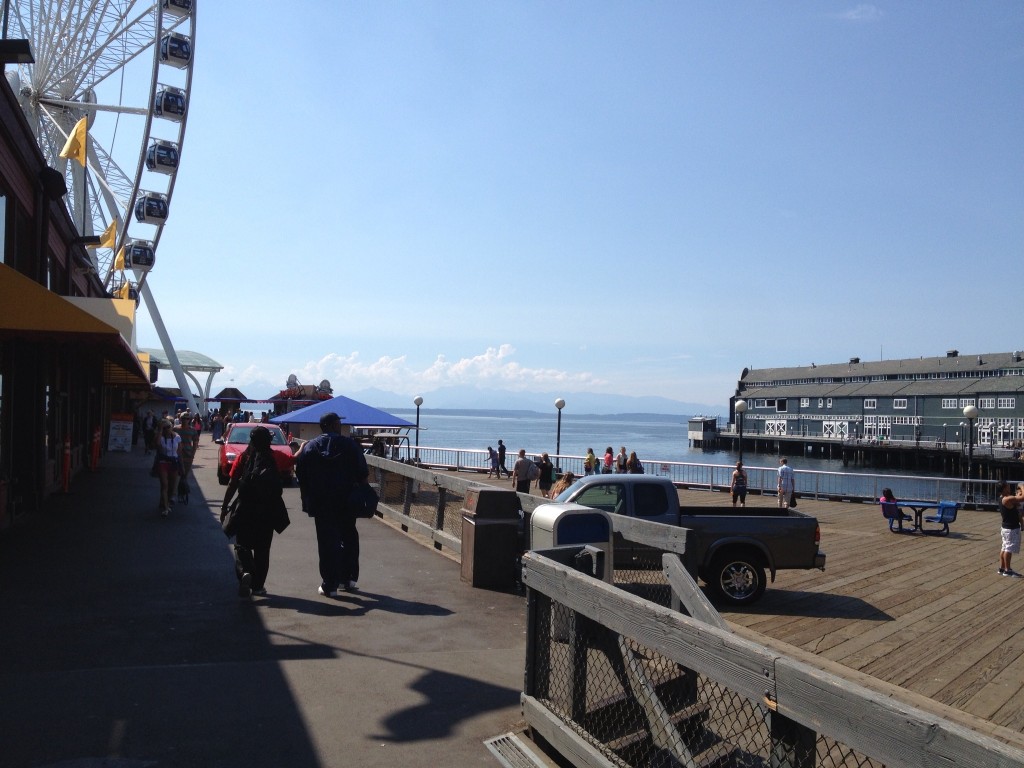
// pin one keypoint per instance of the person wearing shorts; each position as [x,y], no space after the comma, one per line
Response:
[1010,514]
[739,485]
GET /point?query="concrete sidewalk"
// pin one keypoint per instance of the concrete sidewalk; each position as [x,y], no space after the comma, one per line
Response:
[123,642]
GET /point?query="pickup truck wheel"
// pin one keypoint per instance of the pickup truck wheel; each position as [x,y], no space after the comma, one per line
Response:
[737,579]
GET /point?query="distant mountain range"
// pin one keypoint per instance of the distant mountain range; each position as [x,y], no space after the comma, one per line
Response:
[472,398]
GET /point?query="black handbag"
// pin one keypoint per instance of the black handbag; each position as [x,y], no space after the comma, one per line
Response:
[229,519]
[281,519]
[362,501]
[792,499]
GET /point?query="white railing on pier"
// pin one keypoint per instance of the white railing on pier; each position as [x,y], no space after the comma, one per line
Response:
[852,486]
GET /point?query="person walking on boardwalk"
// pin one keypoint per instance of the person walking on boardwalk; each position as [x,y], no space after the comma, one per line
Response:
[261,511]
[739,485]
[547,475]
[620,461]
[328,467]
[787,482]
[608,461]
[501,460]
[590,463]
[492,463]
[633,464]
[149,426]
[1010,504]
[167,465]
[521,471]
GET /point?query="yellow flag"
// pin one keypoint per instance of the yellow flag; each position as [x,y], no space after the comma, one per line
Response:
[109,236]
[122,292]
[119,259]
[74,148]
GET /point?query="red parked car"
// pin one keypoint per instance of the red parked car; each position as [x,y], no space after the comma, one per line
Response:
[236,440]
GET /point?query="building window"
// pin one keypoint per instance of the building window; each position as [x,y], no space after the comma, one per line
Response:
[899,402]
[821,402]
[965,401]
[828,403]
[870,403]
[949,402]
[1006,402]
[986,403]
[761,403]
[805,402]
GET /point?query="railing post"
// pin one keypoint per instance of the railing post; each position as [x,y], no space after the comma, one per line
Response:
[407,503]
[442,499]
[533,614]
[793,745]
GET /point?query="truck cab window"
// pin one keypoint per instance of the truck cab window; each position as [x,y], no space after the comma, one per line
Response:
[606,496]
[649,500]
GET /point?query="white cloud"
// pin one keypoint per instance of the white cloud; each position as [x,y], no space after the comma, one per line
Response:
[495,367]
[863,12]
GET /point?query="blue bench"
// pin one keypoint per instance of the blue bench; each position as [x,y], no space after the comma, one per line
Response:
[945,515]
[895,516]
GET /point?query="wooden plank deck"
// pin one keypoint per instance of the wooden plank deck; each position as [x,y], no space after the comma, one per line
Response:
[927,613]
[930,614]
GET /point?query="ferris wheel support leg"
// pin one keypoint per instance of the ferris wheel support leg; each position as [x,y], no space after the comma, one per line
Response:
[172,356]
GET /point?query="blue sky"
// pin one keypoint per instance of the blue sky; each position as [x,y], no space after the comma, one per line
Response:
[628,198]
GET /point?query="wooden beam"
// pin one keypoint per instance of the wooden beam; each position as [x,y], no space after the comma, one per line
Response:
[689,594]
[738,664]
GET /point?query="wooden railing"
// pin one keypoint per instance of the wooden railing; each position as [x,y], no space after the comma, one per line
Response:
[613,679]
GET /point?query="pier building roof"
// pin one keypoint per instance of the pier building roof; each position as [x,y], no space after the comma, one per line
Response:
[951,367]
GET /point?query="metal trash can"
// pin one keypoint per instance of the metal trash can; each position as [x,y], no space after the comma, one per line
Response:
[491,540]
[556,525]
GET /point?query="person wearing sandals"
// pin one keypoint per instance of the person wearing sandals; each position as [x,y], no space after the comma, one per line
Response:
[1010,511]
[167,465]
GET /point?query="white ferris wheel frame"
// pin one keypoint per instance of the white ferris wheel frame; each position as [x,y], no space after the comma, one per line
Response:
[85,47]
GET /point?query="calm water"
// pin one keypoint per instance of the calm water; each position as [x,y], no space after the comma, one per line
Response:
[654,438]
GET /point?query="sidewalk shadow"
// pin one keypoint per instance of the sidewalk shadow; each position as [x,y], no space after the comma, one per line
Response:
[355,604]
[449,699]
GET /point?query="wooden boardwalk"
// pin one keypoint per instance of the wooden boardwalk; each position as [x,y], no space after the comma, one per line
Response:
[930,614]
[927,613]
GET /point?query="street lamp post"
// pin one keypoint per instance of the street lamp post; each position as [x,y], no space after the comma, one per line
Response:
[971,412]
[741,408]
[943,437]
[559,404]
[417,401]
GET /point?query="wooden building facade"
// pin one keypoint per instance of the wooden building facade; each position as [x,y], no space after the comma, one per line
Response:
[917,400]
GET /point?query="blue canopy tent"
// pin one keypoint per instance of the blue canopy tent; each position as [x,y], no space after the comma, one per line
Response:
[352,412]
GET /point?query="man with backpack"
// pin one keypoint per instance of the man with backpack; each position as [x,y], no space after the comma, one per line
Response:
[523,472]
[328,467]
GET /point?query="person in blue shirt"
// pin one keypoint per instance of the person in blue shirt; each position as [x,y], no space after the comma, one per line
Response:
[787,482]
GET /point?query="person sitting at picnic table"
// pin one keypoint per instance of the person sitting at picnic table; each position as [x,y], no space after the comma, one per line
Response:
[894,511]
[887,497]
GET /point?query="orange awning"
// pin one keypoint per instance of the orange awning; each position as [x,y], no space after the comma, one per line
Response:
[28,311]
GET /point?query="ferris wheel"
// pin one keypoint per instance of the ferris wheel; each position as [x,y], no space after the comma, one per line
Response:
[126,67]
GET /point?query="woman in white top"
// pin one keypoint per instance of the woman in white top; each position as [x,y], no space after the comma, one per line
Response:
[168,465]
